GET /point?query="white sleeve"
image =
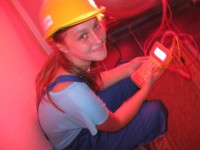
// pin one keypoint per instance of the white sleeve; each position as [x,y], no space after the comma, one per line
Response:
[84,105]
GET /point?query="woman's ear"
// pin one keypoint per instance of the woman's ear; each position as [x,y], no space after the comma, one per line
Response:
[62,47]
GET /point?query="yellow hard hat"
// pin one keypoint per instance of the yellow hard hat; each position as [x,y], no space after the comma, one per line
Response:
[57,14]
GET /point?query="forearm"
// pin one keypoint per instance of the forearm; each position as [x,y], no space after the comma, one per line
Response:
[127,111]
[123,71]
[113,76]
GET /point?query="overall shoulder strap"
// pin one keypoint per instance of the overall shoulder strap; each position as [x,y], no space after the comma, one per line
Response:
[64,78]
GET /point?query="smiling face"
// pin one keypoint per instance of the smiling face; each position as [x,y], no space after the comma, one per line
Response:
[85,43]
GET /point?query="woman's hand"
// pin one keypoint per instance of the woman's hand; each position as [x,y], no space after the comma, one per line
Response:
[152,77]
[135,63]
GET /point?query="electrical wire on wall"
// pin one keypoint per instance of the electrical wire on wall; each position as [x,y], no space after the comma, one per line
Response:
[175,40]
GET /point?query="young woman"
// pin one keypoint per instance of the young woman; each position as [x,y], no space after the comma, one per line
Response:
[81,107]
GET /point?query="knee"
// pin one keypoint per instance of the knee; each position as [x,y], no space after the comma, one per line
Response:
[156,115]
[156,106]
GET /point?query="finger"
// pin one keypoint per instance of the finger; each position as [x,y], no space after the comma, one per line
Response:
[150,74]
[158,73]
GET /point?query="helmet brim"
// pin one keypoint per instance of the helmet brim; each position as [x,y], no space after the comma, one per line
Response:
[75,21]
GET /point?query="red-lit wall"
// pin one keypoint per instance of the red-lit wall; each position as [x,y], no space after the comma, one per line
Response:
[20,60]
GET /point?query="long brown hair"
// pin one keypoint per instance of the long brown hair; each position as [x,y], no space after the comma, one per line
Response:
[58,59]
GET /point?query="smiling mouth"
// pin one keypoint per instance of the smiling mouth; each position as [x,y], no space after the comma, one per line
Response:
[99,48]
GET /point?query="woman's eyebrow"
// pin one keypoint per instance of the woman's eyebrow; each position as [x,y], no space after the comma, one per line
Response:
[85,29]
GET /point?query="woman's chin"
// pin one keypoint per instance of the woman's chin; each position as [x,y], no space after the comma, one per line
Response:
[101,56]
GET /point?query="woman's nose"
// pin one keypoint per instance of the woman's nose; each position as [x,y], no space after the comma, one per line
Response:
[98,37]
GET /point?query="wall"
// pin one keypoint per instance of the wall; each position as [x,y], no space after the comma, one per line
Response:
[20,60]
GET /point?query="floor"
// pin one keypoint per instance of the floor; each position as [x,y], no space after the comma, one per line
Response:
[180,95]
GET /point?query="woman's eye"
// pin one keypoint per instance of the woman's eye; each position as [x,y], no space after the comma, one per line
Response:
[83,36]
[96,26]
